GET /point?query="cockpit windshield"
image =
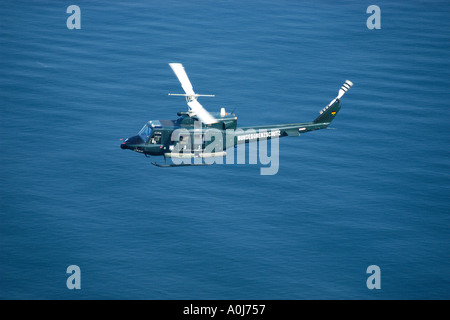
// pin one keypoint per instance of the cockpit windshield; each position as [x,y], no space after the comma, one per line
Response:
[146,131]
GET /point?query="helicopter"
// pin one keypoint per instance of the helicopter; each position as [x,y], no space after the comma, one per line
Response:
[187,136]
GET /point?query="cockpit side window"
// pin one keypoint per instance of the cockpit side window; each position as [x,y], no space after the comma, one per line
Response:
[145,132]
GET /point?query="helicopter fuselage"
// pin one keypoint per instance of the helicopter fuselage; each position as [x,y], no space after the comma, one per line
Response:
[168,137]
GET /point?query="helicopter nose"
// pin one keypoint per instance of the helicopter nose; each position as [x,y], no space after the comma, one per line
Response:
[131,141]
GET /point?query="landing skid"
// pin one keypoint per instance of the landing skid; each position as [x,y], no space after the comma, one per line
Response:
[180,165]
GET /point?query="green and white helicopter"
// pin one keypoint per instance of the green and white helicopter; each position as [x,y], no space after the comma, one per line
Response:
[158,138]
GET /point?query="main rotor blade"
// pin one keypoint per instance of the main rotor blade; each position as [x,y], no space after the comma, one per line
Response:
[201,113]
[179,71]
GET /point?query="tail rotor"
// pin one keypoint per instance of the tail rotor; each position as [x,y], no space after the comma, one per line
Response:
[345,87]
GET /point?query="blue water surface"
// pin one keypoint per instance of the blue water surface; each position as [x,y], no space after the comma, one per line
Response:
[374,191]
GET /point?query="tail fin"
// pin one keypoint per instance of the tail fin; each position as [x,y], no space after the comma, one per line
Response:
[328,113]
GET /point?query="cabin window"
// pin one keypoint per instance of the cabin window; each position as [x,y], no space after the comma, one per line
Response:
[156,139]
[199,141]
[184,139]
[184,142]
